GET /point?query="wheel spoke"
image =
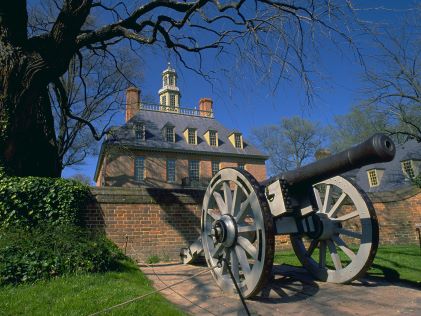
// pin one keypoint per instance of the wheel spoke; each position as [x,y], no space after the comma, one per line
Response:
[327,200]
[220,202]
[313,245]
[318,199]
[227,256]
[214,215]
[348,216]
[246,228]
[242,258]
[236,200]
[215,253]
[322,254]
[227,196]
[334,254]
[344,247]
[234,265]
[247,246]
[349,233]
[338,203]
[243,207]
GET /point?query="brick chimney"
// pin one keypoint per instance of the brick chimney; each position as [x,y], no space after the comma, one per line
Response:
[132,102]
[206,107]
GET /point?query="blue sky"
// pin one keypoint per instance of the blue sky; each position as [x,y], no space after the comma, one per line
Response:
[246,104]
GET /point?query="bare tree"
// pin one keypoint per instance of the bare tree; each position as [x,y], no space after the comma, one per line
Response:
[290,144]
[91,89]
[93,92]
[280,33]
[394,80]
[83,178]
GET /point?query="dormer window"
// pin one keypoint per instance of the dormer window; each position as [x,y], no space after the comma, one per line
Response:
[238,143]
[374,177]
[213,138]
[408,168]
[140,132]
[190,134]
[169,134]
[236,140]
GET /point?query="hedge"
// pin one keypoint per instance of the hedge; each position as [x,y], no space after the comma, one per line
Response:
[47,251]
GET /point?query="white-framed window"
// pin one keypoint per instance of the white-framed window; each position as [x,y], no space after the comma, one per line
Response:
[241,166]
[139,168]
[373,180]
[237,140]
[164,100]
[165,83]
[194,171]
[140,132]
[408,168]
[213,138]
[215,167]
[172,101]
[171,80]
[191,136]
[169,134]
[171,170]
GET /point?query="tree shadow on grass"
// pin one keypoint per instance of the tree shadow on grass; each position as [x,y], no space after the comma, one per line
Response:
[385,277]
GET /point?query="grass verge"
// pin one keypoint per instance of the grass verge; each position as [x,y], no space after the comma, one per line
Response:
[393,263]
[85,294]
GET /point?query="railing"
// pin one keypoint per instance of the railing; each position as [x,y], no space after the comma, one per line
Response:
[178,110]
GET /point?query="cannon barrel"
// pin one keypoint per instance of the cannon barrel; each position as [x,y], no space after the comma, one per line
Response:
[378,148]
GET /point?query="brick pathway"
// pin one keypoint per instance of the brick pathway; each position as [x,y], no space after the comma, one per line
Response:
[292,291]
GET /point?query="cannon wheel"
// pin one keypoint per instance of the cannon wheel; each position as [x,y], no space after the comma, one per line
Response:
[237,225]
[350,237]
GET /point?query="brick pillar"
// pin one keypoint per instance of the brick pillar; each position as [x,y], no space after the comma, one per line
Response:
[132,102]
[206,107]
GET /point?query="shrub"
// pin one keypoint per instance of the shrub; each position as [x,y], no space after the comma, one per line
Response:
[47,251]
[29,201]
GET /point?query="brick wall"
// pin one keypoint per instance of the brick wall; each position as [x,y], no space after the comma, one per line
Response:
[119,169]
[151,221]
[161,221]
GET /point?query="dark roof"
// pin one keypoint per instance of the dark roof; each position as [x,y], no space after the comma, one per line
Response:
[393,178]
[155,121]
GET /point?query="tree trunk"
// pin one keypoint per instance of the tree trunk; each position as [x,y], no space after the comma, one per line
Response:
[27,138]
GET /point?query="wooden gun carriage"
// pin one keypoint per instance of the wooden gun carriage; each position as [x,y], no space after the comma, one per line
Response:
[331,223]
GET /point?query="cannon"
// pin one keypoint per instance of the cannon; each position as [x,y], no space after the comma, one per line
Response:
[330,221]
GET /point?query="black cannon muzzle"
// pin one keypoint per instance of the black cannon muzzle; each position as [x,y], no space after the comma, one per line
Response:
[378,148]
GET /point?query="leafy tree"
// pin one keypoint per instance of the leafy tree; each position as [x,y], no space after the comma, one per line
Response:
[290,144]
[274,36]
[356,126]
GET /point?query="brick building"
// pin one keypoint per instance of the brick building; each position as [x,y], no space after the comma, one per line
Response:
[168,146]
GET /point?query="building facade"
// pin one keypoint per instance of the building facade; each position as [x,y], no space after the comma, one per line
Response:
[168,146]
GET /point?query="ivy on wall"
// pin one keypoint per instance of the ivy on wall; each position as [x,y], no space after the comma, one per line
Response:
[29,201]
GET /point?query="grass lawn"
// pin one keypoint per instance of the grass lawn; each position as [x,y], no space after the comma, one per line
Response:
[86,294]
[393,263]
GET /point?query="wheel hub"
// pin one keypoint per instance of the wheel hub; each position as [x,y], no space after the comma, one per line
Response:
[225,231]
[329,227]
